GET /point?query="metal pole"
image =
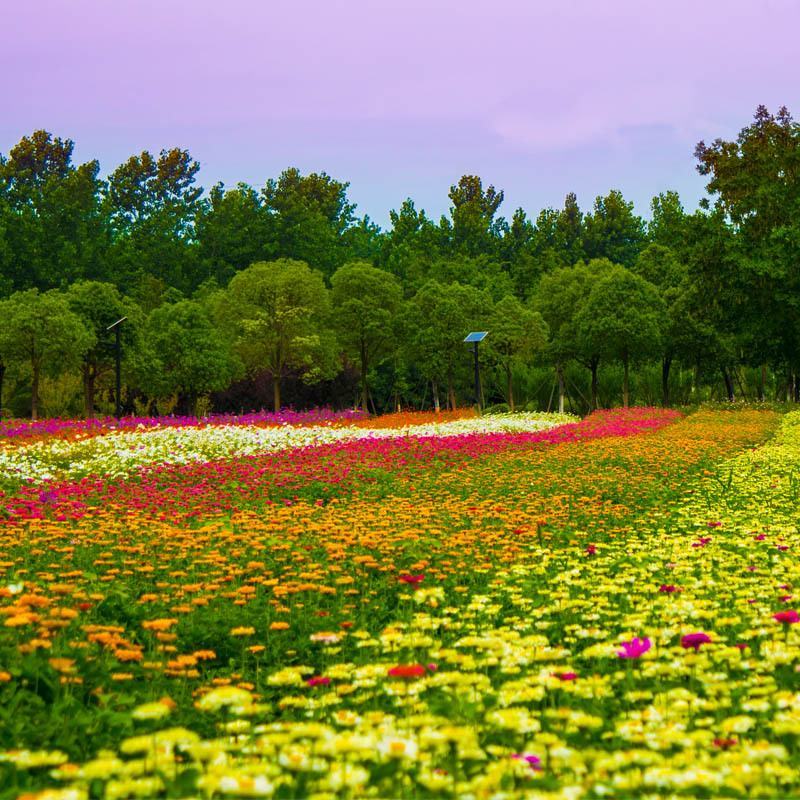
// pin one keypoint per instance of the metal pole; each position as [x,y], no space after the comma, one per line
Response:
[477,377]
[118,342]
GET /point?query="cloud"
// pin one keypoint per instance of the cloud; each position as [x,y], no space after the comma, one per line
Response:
[599,115]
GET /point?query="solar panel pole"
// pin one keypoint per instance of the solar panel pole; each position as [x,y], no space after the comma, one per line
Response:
[474,339]
[477,377]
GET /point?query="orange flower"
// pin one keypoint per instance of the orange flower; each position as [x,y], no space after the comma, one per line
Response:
[159,624]
[279,626]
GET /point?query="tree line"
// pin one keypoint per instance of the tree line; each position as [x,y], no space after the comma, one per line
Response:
[242,293]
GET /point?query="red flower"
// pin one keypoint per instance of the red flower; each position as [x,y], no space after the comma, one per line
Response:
[788,617]
[320,681]
[591,549]
[412,580]
[407,671]
[724,744]
[668,588]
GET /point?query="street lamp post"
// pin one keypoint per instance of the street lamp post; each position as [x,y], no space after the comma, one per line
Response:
[475,338]
[116,327]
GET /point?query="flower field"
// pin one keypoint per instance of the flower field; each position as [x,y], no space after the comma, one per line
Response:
[496,607]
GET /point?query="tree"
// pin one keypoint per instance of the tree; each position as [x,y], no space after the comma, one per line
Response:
[668,222]
[516,333]
[234,230]
[41,330]
[153,205]
[437,319]
[613,231]
[184,354]
[622,318]
[99,305]
[560,296]
[366,302]
[474,230]
[755,181]
[280,313]
[311,214]
[569,230]
[660,266]
[53,227]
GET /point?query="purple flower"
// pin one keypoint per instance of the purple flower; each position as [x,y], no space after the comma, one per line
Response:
[635,648]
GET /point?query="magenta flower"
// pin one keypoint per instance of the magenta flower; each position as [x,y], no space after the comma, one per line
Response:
[695,640]
[668,588]
[788,617]
[635,648]
[533,761]
[319,681]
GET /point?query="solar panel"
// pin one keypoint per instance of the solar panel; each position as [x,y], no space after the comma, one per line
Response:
[476,336]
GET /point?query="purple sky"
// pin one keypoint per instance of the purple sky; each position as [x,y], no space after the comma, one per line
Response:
[401,98]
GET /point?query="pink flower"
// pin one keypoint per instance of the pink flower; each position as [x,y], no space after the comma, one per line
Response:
[788,617]
[319,681]
[702,541]
[533,761]
[635,648]
[695,640]
[566,676]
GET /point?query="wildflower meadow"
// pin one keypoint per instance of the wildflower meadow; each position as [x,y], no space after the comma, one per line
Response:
[329,605]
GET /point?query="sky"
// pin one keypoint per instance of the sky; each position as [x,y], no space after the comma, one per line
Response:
[402,98]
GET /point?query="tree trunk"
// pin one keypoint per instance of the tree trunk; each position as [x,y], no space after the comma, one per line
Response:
[510,391]
[593,366]
[89,377]
[626,389]
[364,387]
[35,392]
[2,378]
[666,363]
[435,389]
[451,392]
[561,389]
[726,376]
[762,384]
[276,391]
